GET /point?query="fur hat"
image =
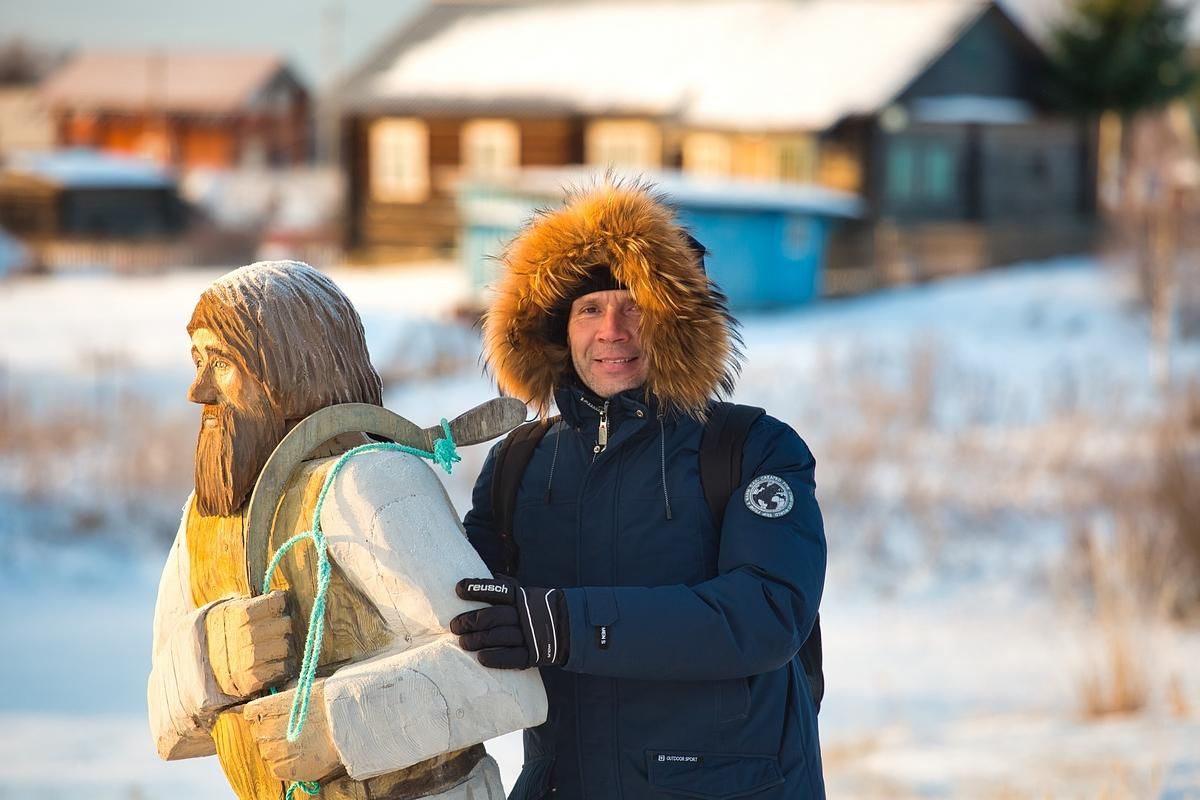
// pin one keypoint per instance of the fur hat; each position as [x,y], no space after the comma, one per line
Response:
[627,230]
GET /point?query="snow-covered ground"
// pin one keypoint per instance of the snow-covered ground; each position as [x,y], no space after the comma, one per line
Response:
[956,427]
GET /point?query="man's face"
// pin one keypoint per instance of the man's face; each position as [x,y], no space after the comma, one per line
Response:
[239,427]
[605,342]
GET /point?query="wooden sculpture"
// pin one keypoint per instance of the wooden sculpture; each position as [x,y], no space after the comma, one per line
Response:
[398,710]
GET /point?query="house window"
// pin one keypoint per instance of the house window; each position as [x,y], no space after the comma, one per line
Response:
[491,148]
[633,144]
[707,154]
[900,171]
[754,157]
[939,174]
[399,154]
[838,168]
[797,160]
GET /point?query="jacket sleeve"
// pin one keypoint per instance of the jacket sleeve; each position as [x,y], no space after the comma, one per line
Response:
[479,522]
[752,618]
[182,693]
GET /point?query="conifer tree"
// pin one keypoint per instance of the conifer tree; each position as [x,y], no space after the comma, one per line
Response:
[1122,56]
[1129,59]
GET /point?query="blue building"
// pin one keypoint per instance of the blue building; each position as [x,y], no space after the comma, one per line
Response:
[766,241]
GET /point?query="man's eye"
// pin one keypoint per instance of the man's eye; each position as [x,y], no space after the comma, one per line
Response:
[221,364]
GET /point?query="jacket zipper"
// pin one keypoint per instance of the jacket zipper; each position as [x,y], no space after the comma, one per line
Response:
[602,432]
[601,445]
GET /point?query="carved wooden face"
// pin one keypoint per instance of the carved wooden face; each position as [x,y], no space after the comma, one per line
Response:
[239,426]
[219,376]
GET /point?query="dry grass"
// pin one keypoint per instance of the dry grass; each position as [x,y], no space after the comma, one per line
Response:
[953,486]
[1116,688]
[1140,560]
[1152,507]
[1116,683]
[1174,492]
[117,462]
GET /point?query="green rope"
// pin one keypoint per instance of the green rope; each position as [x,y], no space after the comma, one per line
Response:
[311,788]
[444,455]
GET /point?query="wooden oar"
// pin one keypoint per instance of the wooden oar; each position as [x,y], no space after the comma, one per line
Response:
[480,424]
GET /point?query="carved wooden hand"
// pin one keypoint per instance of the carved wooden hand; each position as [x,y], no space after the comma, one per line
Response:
[313,756]
[250,643]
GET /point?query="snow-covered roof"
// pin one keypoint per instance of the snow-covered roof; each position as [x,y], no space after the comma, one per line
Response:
[81,168]
[163,80]
[728,64]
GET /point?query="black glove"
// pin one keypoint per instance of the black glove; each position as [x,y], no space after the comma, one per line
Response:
[524,627]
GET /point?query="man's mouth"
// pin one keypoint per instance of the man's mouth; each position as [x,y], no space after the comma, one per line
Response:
[617,360]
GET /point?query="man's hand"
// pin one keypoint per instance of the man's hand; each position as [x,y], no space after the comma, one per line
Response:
[313,756]
[250,643]
[524,627]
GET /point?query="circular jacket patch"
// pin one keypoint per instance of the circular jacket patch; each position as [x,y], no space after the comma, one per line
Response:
[769,496]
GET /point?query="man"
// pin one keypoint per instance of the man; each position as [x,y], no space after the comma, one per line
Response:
[398,710]
[668,646]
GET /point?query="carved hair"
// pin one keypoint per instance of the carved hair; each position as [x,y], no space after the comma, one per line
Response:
[294,330]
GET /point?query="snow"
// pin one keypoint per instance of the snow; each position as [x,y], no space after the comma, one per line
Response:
[70,329]
[708,59]
[81,168]
[954,642]
[297,198]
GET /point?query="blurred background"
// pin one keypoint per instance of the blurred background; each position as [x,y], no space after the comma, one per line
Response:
[961,237]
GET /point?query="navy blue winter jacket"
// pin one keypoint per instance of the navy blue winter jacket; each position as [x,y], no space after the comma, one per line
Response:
[696,690]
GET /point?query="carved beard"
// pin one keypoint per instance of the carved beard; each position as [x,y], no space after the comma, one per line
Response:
[231,454]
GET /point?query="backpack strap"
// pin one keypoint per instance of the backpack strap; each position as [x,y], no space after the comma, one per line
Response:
[511,460]
[721,447]
[721,453]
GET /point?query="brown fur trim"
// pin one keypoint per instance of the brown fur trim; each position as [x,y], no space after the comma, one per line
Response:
[688,337]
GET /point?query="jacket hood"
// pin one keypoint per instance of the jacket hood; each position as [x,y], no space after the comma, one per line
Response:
[688,337]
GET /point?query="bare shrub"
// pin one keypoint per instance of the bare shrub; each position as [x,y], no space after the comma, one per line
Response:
[1174,493]
[1140,558]
[1177,699]
[1115,682]
[1152,503]
[1187,310]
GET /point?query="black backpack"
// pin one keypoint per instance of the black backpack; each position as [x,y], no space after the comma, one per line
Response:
[720,473]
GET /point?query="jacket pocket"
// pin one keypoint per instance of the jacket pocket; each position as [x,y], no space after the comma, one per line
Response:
[711,776]
[534,781]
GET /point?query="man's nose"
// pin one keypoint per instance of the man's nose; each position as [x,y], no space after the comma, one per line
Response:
[202,390]
[614,326]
